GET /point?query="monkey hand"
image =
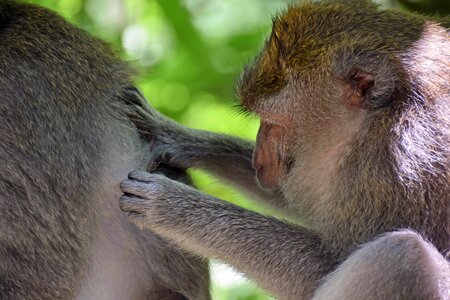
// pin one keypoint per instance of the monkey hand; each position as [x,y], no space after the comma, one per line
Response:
[150,123]
[177,146]
[166,137]
[154,201]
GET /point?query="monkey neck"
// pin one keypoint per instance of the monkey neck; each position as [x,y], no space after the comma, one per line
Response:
[381,187]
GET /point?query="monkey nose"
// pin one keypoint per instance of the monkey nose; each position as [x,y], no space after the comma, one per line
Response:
[257,162]
[260,168]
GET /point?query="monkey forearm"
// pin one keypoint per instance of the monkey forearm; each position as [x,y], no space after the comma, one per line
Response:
[254,244]
[225,156]
[222,155]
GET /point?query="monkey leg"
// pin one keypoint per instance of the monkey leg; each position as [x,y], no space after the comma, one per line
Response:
[285,259]
[398,265]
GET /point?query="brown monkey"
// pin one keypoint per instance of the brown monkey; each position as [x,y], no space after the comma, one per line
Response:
[66,142]
[354,140]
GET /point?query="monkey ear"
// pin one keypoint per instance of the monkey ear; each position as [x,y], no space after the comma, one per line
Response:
[369,77]
[357,89]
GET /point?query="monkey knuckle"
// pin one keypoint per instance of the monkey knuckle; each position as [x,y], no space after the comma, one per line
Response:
[154,190]
[127,202]
[154,178]
[125,206]
[134,173]
[125,185]
[168,187]
[139,175]
[135,187]
[135,215]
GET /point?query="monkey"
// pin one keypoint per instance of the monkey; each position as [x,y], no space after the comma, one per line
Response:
[353,144]
[66,142]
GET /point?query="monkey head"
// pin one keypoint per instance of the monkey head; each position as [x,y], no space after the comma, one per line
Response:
[326,75]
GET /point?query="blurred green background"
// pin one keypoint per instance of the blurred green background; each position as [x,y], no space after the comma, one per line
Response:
[189,54]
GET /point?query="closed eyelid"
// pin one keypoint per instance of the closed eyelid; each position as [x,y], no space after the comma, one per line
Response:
[274,119]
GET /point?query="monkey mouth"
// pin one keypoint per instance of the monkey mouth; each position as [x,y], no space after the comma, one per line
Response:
[267,178]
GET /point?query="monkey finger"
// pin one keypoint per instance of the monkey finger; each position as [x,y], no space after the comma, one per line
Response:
[140,175]
[133,96]
[138,188]
[159,155]
[154,120]
[157,161]
[132,205]
[153,165]
[143,122]
[147,110]
[135,99]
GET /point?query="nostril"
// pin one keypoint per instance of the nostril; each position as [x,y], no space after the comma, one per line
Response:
[258,169]
[256,163]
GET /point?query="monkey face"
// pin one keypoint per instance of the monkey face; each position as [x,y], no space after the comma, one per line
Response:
[316,87]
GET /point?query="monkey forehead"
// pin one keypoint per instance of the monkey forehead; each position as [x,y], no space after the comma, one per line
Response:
[301,37]
[306,37]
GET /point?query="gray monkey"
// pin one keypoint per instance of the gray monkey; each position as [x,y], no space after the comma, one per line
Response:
[66,142]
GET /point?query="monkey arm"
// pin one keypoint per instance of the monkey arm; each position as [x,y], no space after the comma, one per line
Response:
[224,156]
[287,260]
[221,155]
[395,265]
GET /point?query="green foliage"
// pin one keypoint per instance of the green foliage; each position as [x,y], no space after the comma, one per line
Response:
[427,6]
[189,55]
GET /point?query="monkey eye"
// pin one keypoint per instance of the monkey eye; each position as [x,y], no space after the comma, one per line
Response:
[243,110]
[274,119]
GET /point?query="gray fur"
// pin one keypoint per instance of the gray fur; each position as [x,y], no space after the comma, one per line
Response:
[65,142]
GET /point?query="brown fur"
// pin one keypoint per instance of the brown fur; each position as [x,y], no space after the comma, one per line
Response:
[406,161]
[360,99]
